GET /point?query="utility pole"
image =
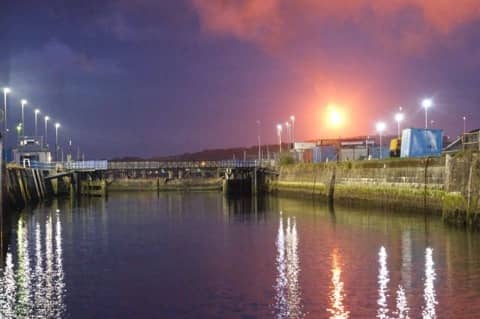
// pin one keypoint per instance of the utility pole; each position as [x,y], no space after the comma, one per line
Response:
[259,142]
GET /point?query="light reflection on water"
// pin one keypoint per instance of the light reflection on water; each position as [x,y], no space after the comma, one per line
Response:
[301,263]
[288,296]
[429,294]
[383,280]
[337,309]
[33,287]
[402,308]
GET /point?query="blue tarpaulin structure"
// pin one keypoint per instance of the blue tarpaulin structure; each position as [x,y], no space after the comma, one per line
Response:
[421,142]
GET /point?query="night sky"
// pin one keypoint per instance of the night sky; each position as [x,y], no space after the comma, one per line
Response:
[149,77]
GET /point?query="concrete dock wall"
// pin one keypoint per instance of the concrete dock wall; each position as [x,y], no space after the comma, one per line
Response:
[448,186]
[163,184]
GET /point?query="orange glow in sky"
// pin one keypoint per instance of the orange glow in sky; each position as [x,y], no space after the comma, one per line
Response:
[334,117]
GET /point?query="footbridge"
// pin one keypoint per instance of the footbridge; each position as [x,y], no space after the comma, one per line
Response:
[113,165]
[93,177]
[239,176]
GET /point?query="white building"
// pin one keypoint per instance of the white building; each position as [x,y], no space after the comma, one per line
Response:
[30,149]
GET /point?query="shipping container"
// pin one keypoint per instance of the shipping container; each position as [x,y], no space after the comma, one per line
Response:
[324,153]
[374,152]
[353,153]
[308,156]
[300,146]
[421,142]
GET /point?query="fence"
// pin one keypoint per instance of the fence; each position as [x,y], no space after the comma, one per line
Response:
[148,165]
[81,165]
[188,164]
[471,140]
[40,165]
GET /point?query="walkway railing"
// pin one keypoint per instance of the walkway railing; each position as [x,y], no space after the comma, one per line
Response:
[188,164]
[149,165]
[84,165]
[40,165]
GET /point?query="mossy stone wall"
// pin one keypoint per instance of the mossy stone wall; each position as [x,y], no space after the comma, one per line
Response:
[449,185]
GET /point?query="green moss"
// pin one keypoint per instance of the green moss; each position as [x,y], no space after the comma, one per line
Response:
[391,196]
[305,187]
[389,162]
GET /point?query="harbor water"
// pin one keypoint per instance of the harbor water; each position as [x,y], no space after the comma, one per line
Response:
[201,255]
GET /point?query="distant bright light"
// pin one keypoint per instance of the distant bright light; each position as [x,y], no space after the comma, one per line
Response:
[292,118]
[335,116]
[381,126]
[6,90]
[37,111]
[57,125]
[399,117]
[279,128]
[427,103]
[47,118]
[24,102]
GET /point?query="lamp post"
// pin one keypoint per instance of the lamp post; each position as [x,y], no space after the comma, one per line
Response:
[292,118]
[37,111]
[46,130]
[258,140]
[5,127]
[5,93]
[289,131]
[57,125]
[19,132]
[23,103]
[279,133]
[380,128]
[464,124]
[399,117]
[426,104]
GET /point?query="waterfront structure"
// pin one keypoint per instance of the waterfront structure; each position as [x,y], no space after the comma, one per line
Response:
[30,149]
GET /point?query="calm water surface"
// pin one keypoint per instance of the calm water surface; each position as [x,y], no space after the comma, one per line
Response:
[200,255]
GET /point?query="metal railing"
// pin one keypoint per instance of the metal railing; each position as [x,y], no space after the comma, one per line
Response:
[82,165]
[149,165]
[40,165]
[471,140]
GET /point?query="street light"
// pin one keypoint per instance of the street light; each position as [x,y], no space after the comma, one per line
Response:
[399,117]
[381,126]
[426,104]
[289,131]
[464,124]
[37,111]
[292,118]
[279,133]
[23,102]
[5,93]
[57,125]
[5,127]
[46,120]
